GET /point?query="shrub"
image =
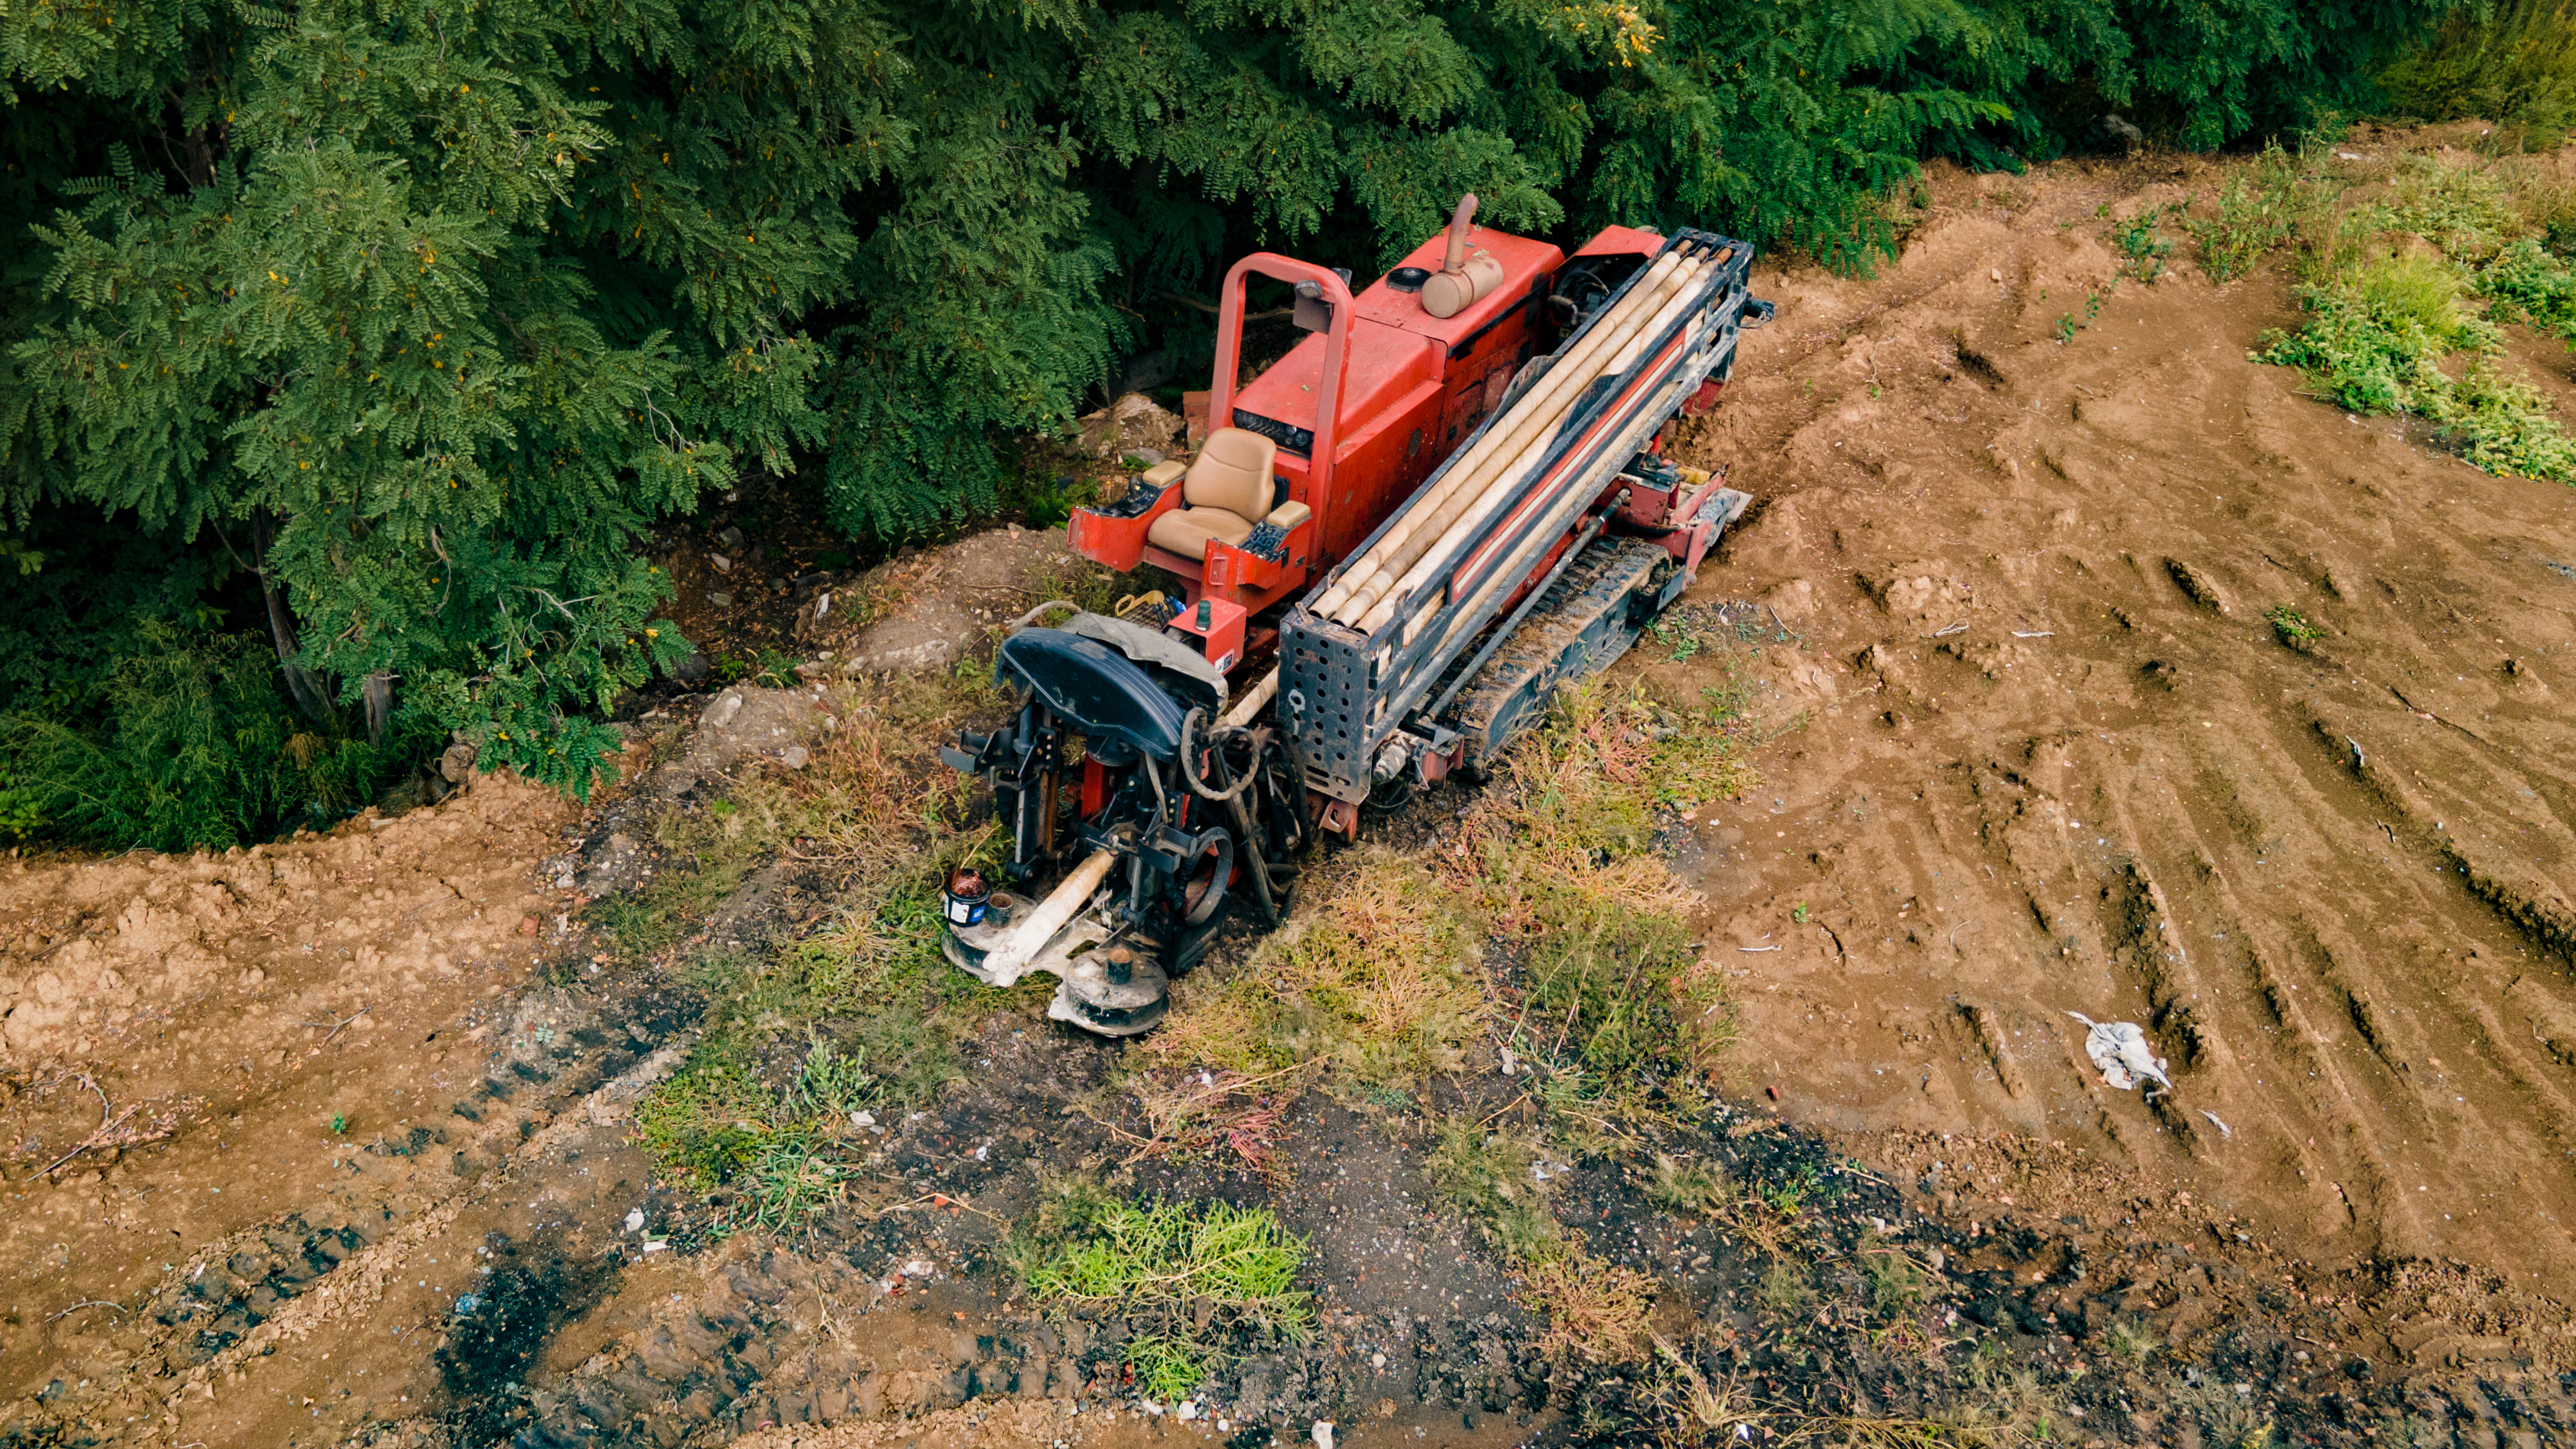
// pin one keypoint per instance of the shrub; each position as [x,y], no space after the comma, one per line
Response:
[2257,210]
[2512,63]
[188,743]
[2505,425]
[2143,245]
[2527,283]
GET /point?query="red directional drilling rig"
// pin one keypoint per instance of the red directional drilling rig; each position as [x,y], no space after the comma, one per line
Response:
[1446,501]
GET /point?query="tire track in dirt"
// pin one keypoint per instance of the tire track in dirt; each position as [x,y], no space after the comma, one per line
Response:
[2051,757]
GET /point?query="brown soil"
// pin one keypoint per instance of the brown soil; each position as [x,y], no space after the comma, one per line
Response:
[2042,753]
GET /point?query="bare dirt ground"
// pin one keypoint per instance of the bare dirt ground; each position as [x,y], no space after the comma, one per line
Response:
[2048,756]
[355,1113]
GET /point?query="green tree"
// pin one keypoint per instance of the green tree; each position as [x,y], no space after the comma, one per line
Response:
[397,324]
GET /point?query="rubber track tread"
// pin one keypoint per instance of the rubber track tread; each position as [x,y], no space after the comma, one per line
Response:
[1610,571]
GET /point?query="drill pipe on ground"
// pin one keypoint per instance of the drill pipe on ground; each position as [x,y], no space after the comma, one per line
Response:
[1032,934]
[1367,578]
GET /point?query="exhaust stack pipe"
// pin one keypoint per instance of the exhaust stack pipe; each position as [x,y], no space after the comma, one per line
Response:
[1458,221]
[1461,278]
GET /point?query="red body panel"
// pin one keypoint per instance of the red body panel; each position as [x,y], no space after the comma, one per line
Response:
[1386,395]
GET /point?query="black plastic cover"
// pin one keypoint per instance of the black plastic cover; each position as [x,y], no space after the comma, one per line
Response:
[1100,691]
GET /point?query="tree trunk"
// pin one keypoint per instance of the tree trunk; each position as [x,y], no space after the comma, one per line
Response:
[301,683]
[379,692]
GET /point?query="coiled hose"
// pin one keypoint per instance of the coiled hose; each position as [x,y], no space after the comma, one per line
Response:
[1190,774]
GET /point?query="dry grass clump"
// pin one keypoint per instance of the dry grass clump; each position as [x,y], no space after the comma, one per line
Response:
[1594,1308]
[1561,852]
[1380,978]
[1574,808]
[1379,972]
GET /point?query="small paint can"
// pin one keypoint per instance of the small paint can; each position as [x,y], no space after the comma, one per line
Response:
[967,897]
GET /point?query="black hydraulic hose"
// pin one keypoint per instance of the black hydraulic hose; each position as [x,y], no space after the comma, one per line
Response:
[1190,774]
[1260,871]
[1295,703]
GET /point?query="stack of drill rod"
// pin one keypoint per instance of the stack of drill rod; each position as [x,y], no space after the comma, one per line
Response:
[1395,577]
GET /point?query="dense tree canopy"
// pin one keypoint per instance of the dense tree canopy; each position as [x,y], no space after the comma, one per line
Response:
[417,312]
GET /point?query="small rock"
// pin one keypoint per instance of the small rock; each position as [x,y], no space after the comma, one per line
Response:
[795,757]
[720,599]
[731,538]
[917,1268]
[1377,1360]
[1188,1410]
[693,667]
[720,563]
[863,1119]
[456,766]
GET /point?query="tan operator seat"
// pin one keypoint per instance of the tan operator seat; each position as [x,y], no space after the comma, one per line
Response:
[1227,490]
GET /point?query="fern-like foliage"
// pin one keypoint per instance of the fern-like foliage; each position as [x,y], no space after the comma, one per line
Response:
[445,307]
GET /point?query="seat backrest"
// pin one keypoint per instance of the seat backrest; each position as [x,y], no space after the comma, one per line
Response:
[1232,472]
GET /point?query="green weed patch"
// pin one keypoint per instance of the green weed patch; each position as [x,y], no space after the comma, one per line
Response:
[2409,290]
[1194,1282]
[778,1157]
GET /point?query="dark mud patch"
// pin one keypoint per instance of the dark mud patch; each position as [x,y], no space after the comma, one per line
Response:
[530,1290]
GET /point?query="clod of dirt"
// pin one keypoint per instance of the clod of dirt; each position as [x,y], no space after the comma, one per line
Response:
[1134,424]
[919,613]
[2197,583]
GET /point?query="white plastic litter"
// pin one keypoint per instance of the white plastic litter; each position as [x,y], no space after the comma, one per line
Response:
[2223,1129]
[1323,1434]
[2119,1049]
[634,1220]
